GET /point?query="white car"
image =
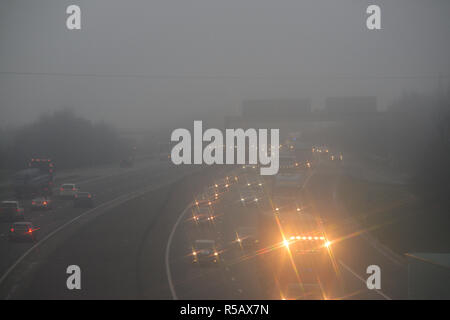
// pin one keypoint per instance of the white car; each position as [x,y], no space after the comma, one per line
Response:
[68,190]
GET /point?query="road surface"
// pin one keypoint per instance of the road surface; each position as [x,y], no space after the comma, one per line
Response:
[138,244]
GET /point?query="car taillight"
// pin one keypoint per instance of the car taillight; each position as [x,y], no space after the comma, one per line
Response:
[44,203]
[12,230]
[61,189]
[30,231]
[33,202]
[89,196]
[73,189]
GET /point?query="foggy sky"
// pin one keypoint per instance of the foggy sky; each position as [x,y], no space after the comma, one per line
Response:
[155,62]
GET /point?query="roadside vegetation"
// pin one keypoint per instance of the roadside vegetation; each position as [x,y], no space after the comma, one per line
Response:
[414,139]
[69,140]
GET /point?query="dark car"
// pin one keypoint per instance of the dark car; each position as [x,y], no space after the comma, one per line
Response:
[205,252]
[22,231]
[246,238]
[41,203]
[11,211]
[83,200]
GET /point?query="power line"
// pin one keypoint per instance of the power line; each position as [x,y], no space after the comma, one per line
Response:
[206,77]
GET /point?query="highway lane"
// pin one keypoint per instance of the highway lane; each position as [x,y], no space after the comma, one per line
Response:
[238,278]
[353,247]
[111,185]
[123,253]
[111,249]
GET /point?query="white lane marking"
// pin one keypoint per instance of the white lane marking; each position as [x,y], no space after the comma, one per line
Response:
[384,250]
[363,280]
[169,243]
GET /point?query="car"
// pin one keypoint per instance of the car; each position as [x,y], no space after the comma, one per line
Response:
[41,203]
[68,190]
[205,252]
[222,185]
[207,197]
[249,167]
[246,238]
[232,178]
[11,211]
[303,291]
[281,203]
[252,181]
[83,200]
[22,231]
[249,197]
[336,157]
[320,149]
[203,216]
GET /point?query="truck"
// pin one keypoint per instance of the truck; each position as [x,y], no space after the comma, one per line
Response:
[45,165]
[32,182]
[299,251]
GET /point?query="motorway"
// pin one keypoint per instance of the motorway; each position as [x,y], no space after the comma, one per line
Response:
[137,243]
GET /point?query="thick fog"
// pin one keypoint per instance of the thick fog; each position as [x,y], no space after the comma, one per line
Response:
[155,63]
